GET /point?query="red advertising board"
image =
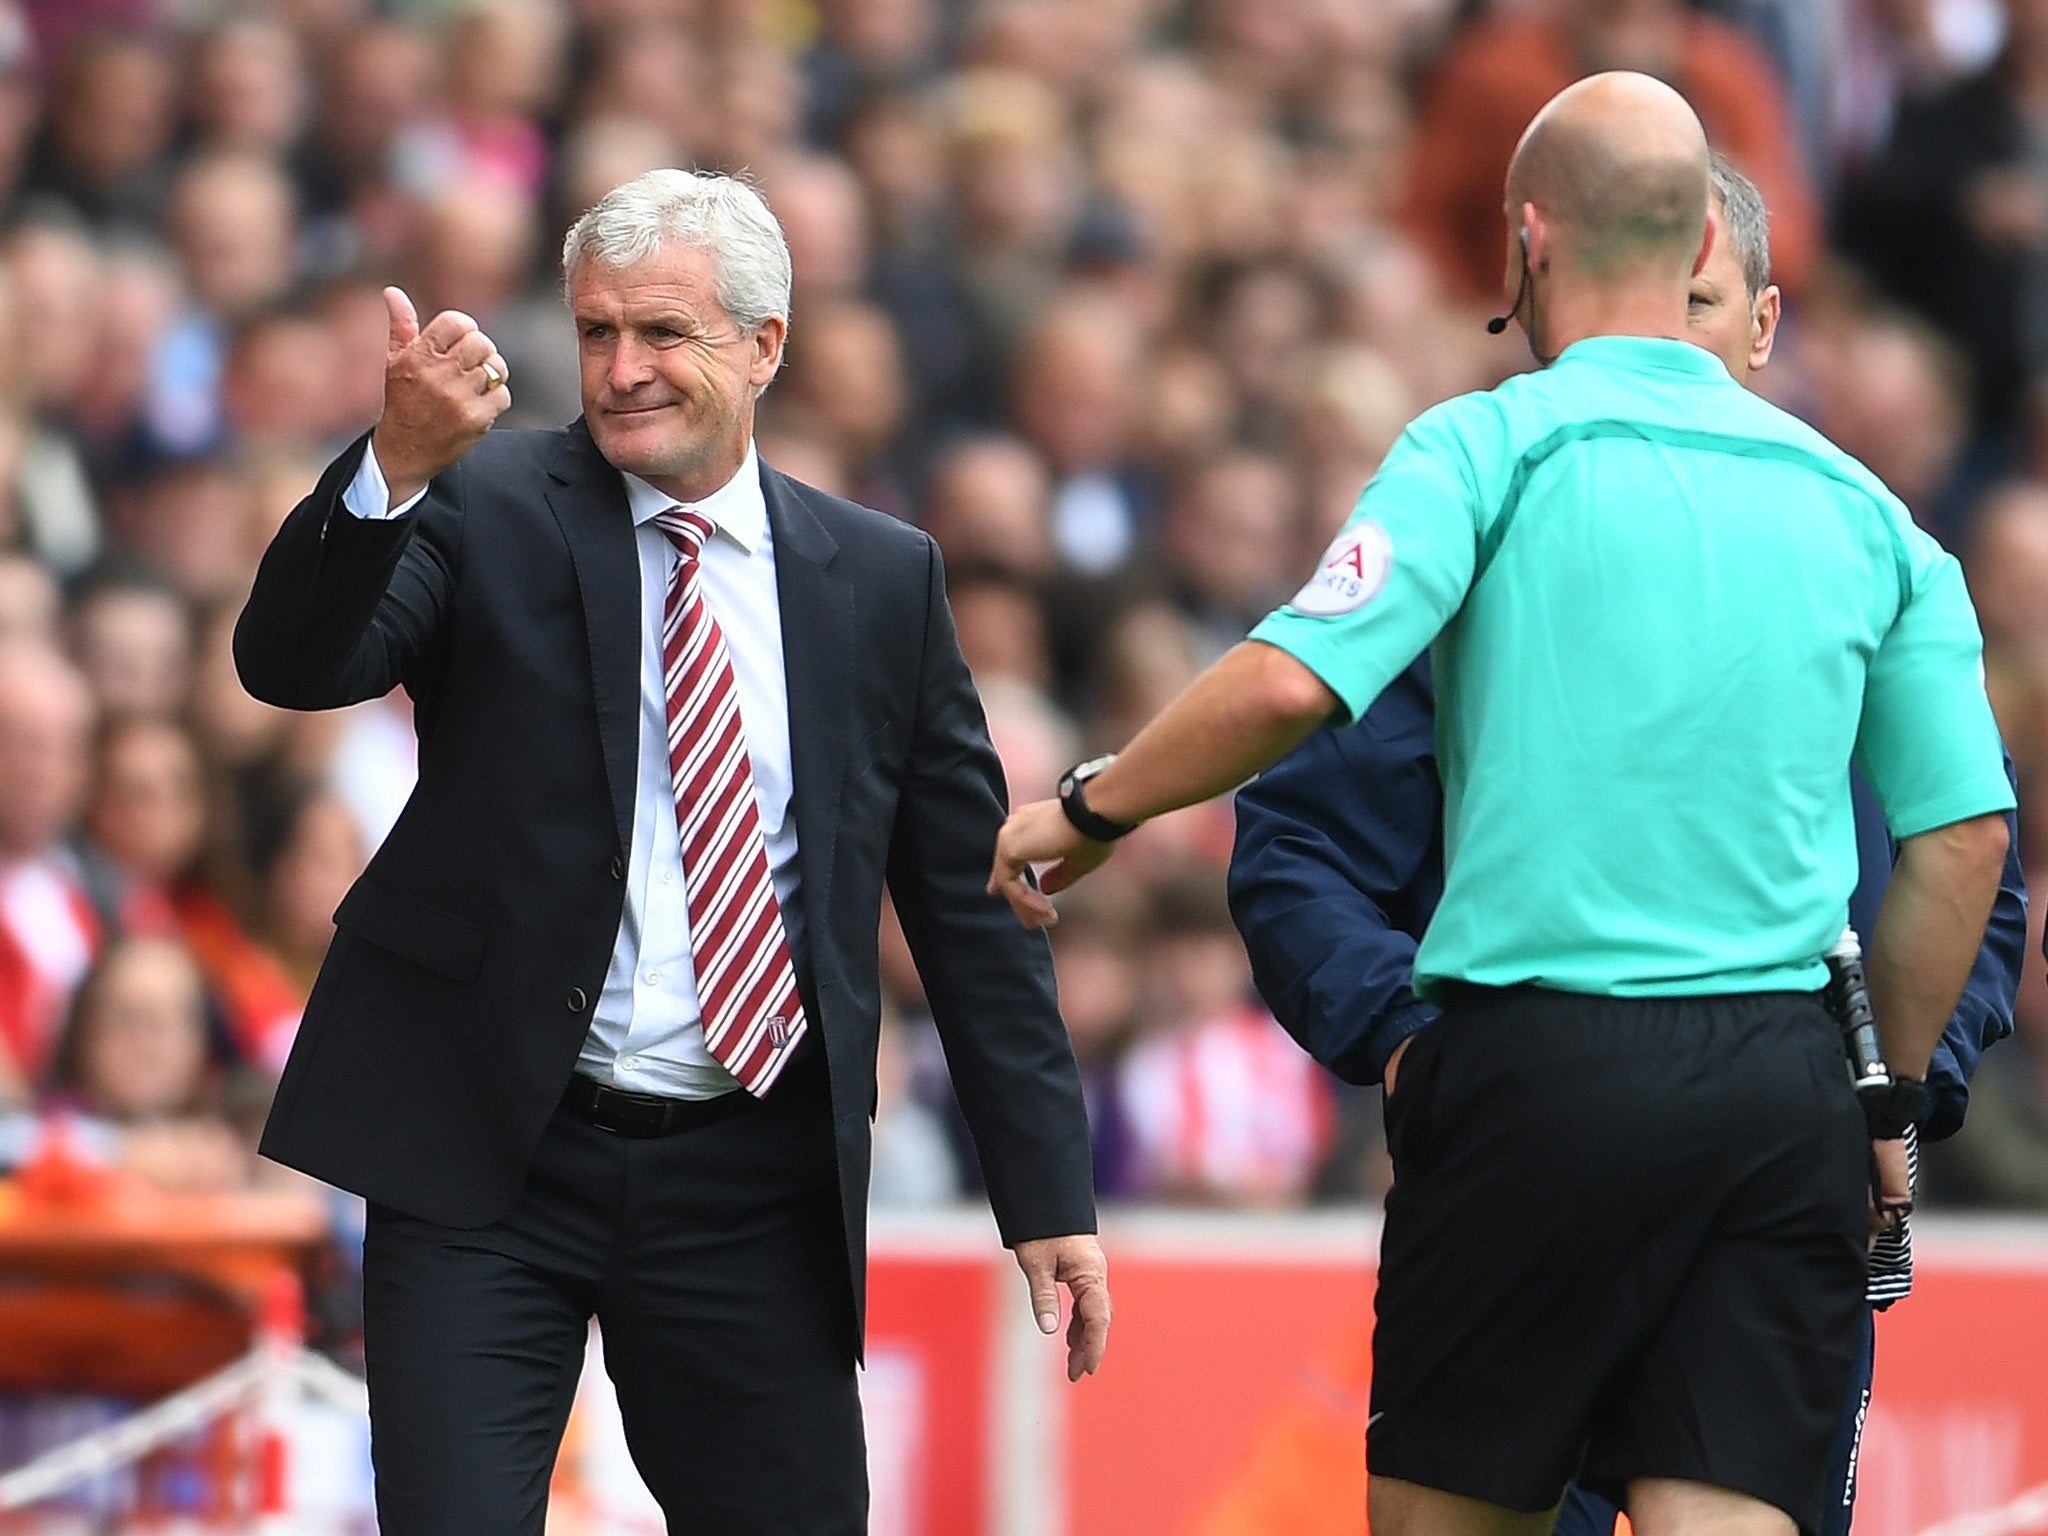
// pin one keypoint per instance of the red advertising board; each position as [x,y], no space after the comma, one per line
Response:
[1234,1402]
[1234,1399]
[928,1389]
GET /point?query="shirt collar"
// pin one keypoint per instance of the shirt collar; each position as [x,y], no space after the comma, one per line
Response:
[737,508]
[1646,352]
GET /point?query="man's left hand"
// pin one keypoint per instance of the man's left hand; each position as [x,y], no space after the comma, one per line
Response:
[1039,833]
[1077,1263]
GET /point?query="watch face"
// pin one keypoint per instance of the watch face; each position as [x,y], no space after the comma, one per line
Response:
[1081,773]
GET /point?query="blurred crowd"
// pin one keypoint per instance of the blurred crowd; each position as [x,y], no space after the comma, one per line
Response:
[1123,300]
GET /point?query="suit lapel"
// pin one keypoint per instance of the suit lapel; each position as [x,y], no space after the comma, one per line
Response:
[817,644]
[588,499]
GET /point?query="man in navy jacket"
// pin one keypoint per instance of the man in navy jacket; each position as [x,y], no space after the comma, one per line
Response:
[1338,866]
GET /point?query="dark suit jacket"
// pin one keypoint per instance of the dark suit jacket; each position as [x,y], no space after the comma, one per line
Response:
[448,1016]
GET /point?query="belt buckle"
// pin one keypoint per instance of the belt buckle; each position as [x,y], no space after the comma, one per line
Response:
[630,1116]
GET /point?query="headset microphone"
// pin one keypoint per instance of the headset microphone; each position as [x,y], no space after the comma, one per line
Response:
[1499,323]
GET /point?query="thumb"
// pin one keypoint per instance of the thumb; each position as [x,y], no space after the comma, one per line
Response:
[405,320]
[1045,1295]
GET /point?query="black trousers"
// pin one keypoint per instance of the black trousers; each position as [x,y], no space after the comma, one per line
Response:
[712,1259]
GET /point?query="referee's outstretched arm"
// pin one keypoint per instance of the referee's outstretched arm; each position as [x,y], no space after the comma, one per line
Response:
[1244,714]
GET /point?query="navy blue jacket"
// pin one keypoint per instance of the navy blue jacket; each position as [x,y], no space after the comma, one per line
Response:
[1339,864]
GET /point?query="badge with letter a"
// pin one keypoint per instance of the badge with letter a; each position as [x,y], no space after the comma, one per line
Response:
[1350,574]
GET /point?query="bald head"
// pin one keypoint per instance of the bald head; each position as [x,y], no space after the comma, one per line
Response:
[1617,164]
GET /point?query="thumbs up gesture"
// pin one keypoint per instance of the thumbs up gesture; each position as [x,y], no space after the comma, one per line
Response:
[443,387]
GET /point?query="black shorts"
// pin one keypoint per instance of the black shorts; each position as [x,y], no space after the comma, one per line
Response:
[1625,1239]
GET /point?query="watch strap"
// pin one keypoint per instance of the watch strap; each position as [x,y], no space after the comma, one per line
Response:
[1095,827]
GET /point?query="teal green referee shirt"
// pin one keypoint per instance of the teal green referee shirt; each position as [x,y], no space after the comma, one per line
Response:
[1663,615]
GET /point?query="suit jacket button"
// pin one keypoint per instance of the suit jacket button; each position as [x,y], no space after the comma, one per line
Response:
[618,869]
[577,1001]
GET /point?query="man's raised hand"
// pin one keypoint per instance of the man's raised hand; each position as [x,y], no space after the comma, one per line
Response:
[443,387]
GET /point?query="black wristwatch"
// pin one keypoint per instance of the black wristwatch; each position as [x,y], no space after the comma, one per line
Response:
[1098,828]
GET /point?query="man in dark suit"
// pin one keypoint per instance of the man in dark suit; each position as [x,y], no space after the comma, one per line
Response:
[597,1033]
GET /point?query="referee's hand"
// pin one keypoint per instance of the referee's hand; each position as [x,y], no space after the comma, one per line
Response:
[1039,833]
[1895,1184]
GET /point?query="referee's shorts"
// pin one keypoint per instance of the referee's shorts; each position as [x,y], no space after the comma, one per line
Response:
[1625,1239]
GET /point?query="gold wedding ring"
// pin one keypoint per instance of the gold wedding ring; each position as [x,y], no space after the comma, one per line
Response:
[492,378]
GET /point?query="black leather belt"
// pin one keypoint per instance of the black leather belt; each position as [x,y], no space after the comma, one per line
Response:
[625,1113]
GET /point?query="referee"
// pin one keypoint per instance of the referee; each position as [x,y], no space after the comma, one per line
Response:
[1338,866]
[1626,1235]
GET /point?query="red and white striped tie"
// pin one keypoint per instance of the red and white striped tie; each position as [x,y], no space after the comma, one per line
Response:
[753,1018]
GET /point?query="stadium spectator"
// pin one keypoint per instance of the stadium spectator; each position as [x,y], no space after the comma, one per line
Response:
[276,389]
[1032,736]
[29,600]
[474,250]
[159,862]
[135,300]
[915,1165]
[649,72]
[1001,626]
[54,278]
[1222,1108]
[846,378]
[1147,658]
[246,87]
[1953,215]
[106,141]
[263,754]
[754,108]
[987,505]
[1099,951]
[863,45]
[504,63]
[1188,406]
[137,1059]
[1891,391]
[192,516]
[132,637]
[823,211]
[1266,319]
[2009,565]
[1491,81]
[1076,398]
[49,933]
[353,308]
[377,87]
[1015,197]
[232,223]
[1233,543]
[312,854]
[1354,403]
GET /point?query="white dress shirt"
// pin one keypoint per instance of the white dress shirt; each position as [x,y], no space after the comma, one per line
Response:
[648,1031]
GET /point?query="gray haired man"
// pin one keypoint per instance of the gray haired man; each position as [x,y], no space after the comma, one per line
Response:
[597,1033]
